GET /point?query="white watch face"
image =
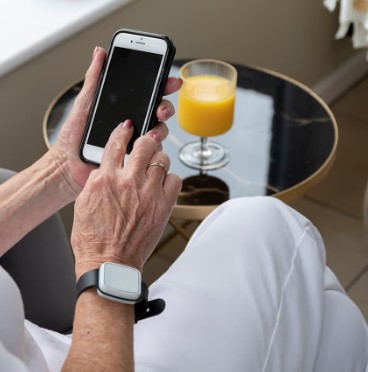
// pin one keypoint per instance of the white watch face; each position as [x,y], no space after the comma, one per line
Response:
[120,281]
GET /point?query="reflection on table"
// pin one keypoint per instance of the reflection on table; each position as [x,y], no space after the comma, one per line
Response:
[282,142]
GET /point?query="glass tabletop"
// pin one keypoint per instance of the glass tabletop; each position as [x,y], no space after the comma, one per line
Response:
[282,141]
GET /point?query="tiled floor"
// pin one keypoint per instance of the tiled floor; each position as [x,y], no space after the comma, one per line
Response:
[335,205]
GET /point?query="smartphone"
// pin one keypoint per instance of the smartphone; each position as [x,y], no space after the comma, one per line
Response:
[131,87]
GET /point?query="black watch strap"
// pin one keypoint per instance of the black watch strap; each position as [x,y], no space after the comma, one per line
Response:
[143,308]
[87,280]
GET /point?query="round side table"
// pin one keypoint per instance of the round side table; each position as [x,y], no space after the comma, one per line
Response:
[282,142]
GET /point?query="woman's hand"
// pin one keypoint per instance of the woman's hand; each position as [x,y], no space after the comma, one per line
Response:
[123,209]
[66,151]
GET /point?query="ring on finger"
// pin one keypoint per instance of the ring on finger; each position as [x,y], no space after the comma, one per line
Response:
[158,164]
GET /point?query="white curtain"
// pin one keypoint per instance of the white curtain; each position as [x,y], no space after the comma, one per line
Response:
[355,13]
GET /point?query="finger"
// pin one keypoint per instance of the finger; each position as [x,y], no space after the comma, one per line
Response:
[172,187]
[85,97]
[158,168]
[159,133]
[173,84]
[165,110]
[143,150]
[115,149]
[93,73]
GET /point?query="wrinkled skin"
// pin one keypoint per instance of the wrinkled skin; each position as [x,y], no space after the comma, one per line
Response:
[66,150]
[122,209]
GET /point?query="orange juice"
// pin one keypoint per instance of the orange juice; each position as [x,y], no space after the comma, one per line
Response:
[206,105]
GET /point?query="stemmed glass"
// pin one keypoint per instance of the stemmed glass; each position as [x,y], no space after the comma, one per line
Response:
[206,109]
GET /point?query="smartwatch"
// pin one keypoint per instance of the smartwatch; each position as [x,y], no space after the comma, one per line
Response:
[123,284]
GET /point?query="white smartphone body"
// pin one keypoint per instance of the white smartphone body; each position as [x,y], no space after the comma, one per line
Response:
[131,86]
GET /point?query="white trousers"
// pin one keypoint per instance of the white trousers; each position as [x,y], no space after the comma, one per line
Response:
[251,292]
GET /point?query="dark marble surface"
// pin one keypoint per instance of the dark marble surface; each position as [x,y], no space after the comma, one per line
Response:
[281,136]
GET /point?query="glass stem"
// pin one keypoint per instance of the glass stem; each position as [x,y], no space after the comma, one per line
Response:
[205,151]
[203,144]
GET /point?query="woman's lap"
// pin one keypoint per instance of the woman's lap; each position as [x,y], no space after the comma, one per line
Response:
[248,294]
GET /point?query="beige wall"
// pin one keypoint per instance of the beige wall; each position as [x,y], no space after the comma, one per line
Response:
[292,37]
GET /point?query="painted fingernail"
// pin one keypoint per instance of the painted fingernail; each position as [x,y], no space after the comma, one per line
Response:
[95,51]
[127,124]
[167,113]
[154,135]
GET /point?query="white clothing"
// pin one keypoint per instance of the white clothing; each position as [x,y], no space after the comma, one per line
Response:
[251,292]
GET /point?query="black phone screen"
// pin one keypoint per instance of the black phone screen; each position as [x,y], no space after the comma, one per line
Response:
[126,93]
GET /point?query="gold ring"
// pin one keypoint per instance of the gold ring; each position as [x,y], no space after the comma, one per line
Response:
[157,164]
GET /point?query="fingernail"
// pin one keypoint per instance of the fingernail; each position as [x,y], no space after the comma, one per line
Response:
[95,51]
[127,124]
[154,135]
[166,113]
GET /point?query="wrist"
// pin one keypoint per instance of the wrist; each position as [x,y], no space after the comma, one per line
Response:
[64,176]
[84,265]
[122,284]
[90,255]
[91,299]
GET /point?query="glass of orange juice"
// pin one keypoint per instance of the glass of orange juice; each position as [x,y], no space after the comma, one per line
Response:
[206,109]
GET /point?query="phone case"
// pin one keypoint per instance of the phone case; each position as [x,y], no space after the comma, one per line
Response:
[169,57]
[171,50]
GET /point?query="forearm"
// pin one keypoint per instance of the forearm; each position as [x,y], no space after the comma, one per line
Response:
[102,335]
[30,197]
